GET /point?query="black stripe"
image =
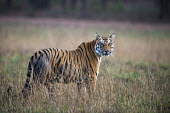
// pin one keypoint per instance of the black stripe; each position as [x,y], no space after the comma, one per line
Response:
[70,70]
[28,75]
[46,54]
[29,66]
[80,56]
[65,56]
[65,68]
[50,50]
[74,53]
[77,59]
[88,58]
[36,55]
[54,55]
[71,59]
[81,52]
[92,49]
[60,69]
[49,54]
[58,62]
[40,52]
[57,58]
[66,64]
[31,59]
[27,80]
[66,51]
[26,85]
[57,55]
[54,51]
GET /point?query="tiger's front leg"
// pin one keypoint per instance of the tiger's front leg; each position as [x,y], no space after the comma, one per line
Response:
[80,87]
[91,85]
[50,81]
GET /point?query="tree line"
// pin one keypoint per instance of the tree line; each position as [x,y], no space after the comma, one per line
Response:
[89,7]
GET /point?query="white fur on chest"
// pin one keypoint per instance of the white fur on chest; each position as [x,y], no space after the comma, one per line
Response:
[99,60]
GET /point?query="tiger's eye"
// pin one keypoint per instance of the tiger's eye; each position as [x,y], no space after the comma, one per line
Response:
[102,44]
[110,44]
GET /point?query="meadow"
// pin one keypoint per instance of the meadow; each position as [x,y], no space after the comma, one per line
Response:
[136,78]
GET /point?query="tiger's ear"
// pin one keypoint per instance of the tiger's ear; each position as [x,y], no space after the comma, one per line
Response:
[112,37]
[97,36]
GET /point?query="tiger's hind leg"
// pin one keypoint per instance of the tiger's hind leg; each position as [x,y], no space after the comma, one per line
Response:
[51,90]
[30,90]
[41,75]
[26,92]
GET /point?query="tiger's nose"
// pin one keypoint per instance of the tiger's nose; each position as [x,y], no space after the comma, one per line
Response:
[107,52]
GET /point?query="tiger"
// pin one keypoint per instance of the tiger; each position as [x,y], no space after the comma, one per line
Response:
[80,66]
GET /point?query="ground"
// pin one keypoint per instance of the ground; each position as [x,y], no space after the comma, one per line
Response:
[134,79]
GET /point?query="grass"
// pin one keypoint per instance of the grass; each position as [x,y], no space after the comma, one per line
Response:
[135,79]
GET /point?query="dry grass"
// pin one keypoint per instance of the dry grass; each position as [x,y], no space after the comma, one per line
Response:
[134,79]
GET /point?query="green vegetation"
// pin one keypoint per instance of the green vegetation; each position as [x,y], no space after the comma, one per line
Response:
[134,79]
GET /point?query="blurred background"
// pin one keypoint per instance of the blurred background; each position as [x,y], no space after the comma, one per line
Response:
[89,9]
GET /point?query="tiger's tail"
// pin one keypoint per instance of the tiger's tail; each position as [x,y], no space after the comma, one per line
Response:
[29,72]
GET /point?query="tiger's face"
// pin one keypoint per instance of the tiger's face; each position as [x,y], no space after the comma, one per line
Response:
[104,45]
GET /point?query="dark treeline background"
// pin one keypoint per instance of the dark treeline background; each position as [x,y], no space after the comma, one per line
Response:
[90,9]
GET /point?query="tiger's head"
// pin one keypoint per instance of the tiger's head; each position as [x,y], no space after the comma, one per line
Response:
[104,45]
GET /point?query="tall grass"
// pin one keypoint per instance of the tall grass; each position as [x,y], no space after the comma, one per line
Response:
[134,79]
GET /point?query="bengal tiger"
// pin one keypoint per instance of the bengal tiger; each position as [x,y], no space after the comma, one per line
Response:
[79,66]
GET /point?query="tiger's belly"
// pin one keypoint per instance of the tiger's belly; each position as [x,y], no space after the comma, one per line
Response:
[67,78]
[64,79]
[69,73]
